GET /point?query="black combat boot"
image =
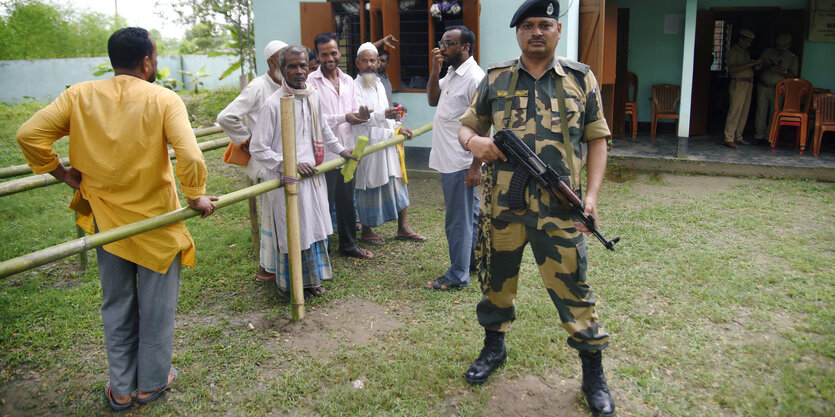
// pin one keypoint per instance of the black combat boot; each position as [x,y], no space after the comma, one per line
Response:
[492,356]
[594,384]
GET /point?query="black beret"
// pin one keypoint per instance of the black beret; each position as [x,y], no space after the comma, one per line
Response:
[536,8]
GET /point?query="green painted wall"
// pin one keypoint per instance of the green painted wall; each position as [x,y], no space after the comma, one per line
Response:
[497,43]
[656,57]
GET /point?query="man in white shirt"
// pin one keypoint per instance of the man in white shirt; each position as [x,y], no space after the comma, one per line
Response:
[380,189]
[460,172]
[313,136]
[339,111]
[237,120]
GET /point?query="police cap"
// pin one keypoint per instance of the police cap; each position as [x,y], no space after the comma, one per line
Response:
[536,8]
[747,33]
[783,39]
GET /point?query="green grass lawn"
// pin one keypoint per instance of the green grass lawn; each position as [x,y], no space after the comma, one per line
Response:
[719,301]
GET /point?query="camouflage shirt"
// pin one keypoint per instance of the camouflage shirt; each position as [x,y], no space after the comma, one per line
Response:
[535,117]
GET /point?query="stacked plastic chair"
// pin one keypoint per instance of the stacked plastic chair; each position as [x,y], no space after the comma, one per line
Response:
[824,119]
[791,108]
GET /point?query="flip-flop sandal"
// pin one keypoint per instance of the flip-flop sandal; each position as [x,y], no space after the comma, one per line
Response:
[443,284]
[264,278]
[108,393]
[313,292]
[374,240]
[160,391]
[414,237]
[359,253]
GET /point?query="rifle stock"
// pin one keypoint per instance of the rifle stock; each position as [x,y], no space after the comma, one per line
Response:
[527,162]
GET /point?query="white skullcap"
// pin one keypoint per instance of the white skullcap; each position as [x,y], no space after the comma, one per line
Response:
[368,46]
[272,48]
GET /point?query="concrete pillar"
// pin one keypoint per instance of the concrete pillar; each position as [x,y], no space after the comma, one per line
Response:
[687,76]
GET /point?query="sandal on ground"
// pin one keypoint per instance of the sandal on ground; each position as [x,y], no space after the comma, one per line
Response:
[313,292]
[414,237]
[373,240]
[263,275]
[108,393]
[153,397]
[443,283]
[358,253]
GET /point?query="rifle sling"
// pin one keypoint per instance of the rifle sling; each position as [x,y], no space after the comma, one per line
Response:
[566,136]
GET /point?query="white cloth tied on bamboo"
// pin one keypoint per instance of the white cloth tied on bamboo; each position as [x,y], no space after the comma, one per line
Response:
[266,147]
[375,169]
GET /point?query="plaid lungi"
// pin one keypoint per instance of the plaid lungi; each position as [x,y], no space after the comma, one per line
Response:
[376,206]
[316,267]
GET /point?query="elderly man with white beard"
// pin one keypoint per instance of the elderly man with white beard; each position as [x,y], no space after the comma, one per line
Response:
[313,136]
[380,187]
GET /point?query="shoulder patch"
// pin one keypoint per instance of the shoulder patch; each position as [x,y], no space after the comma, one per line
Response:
[505,64]
[574,65]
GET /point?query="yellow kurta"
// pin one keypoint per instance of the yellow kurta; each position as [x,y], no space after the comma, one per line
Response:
[119,130]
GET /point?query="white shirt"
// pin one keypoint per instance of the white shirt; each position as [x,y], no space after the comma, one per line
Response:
[375,169]
[246,107]
[335,105]
[239,117]
[457,89]
[266,148]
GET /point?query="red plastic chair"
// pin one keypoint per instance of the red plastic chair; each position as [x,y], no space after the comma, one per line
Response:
[795,95]
[632,105]
[824,119]
[665,98]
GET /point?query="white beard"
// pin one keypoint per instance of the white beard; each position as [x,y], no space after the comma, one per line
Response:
[369,80]
[278,75]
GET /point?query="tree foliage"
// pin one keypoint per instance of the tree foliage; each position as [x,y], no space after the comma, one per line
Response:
[33,29]
[234,20]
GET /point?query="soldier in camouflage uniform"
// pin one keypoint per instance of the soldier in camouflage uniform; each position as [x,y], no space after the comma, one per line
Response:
[531,86]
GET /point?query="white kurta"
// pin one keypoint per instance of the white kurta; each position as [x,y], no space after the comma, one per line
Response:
[239,117]
[266,147]
[375,169]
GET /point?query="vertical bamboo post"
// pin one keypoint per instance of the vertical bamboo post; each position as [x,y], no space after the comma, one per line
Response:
[291,199]
[82,256]
[254,224]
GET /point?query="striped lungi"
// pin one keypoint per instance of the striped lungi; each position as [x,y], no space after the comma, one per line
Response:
[376,206]
[316,267]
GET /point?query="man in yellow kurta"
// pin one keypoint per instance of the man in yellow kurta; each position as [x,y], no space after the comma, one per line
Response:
[119,131]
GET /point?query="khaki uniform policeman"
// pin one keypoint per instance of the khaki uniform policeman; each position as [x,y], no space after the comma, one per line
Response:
[528,89]
[778,63]
[741,71]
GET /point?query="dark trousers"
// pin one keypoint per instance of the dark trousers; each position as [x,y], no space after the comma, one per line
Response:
[341,196]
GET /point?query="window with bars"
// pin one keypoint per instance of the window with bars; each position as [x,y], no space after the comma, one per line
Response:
[722,30]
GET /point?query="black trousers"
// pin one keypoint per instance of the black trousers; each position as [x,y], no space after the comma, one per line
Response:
[341,195]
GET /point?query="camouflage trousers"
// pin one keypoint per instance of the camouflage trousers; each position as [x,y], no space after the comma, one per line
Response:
[561,257]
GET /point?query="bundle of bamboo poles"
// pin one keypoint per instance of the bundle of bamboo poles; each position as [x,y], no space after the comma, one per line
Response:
[82,244]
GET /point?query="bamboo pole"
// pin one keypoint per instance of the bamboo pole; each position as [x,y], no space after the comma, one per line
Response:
[79,233]
[52,253]
[42,180]
[17,170]
[291,200]
[73,247]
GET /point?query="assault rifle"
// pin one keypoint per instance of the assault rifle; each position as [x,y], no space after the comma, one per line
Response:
[526,164]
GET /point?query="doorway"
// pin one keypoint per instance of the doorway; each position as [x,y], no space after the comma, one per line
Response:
[726,23]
